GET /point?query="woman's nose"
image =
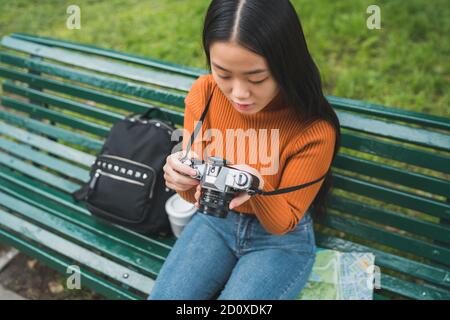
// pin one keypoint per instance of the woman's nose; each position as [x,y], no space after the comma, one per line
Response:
[240,92]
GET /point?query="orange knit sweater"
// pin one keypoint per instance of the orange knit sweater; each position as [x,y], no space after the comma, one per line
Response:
[304,151]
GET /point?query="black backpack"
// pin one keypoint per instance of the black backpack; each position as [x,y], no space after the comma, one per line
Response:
[126,184]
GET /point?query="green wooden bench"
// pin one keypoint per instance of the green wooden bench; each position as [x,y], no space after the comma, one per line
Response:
[59,99]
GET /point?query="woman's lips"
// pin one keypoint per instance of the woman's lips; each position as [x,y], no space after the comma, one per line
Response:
[242,106]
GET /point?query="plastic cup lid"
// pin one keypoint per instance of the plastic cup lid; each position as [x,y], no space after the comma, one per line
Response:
[178,206]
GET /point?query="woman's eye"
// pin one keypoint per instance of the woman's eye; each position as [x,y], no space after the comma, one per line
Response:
[258,82]
[253,82]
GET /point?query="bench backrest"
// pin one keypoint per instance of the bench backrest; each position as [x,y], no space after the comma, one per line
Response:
[391,177]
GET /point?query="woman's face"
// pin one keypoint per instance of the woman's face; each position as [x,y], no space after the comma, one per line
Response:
[243,76]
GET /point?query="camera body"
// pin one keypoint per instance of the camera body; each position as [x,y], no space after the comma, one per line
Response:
[219,184]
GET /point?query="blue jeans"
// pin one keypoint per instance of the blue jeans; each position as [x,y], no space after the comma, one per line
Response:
[236,258]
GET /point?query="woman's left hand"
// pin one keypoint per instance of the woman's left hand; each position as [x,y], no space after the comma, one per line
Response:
[243,196]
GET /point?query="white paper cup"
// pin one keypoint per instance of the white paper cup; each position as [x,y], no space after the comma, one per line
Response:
[179,212]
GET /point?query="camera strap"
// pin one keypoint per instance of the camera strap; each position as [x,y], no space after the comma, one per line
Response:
[199,125]
[252,191]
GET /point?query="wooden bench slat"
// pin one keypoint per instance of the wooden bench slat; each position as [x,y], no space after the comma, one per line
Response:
[412,290]
[49,179]
[83,256]
[397,152]
[92,79]
[47,145]
[34,188]
[411,268]
[413,225]
[39,127]
[78,107]
[145,61]
[61,264]
[61,102]
[62,205]
[150,76]
[399,176]
[48,114]
[120,102]
[89,240]
[390,195]
[377,296]
[27,153]
[395,131]
[32,171]
[408,244]
[372,109]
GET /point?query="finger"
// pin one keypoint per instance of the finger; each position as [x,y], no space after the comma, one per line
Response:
[174,175]
[197,195]
[170,186]
[176,178]
[178,166]
[240,199]
[191,154]
[197,192]
[176,187]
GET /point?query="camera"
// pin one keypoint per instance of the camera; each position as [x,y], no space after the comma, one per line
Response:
[220,184]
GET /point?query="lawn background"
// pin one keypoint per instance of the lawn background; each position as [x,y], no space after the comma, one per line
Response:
[405,64]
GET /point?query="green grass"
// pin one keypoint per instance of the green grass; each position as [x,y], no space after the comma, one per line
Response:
[405,64]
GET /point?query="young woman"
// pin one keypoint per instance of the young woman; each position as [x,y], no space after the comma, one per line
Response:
[264,80]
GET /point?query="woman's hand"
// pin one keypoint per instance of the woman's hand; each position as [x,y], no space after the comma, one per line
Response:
[241,197]
[177,174]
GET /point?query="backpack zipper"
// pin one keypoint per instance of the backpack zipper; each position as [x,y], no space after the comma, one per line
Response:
[99,172]
[162,123]
[129,161]
[145,121]
[138,164]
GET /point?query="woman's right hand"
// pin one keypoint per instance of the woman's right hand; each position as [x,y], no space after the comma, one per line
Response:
[177,174]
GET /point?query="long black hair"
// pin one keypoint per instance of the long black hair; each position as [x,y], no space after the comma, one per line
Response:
[272,29]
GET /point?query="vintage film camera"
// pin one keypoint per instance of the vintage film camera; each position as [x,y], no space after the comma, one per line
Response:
[220,184]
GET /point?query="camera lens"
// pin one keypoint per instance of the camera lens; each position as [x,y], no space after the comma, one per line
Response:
[214,203]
